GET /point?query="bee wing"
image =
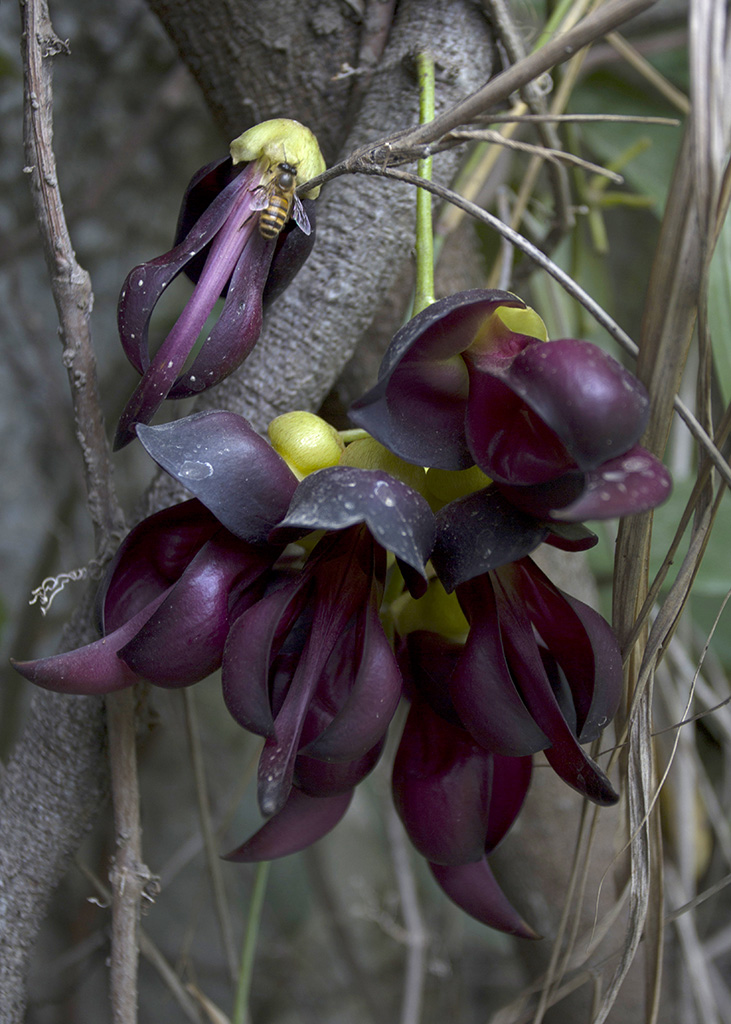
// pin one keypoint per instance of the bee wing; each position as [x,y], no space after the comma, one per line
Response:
[300,217]
[260,198]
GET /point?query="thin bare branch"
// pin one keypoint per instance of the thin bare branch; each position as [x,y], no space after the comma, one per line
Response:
[397,147]
[128,875]
[70,283]
[552,155]
[416,935]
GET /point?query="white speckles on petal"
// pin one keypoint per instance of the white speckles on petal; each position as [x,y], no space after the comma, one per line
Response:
[384,493]
[195,470]
[637,464]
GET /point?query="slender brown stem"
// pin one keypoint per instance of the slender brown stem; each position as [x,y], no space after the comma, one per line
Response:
[70,283]
[71,287]
[128,875]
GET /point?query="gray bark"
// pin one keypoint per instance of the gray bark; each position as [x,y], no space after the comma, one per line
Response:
[54,782]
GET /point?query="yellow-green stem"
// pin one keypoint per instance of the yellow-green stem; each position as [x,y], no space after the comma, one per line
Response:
[243,990]
[424,294]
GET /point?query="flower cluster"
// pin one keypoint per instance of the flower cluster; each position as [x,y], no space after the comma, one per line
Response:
[480,441]
[485,440]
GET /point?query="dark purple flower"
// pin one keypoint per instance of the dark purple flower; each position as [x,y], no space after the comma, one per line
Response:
[456,799]
[539,671]
[309,667]
[554,424]
[219,244]
[183,575]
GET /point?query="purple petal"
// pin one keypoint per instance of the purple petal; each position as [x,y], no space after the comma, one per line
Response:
[238,327]
[427,660]
[145,283]
[507,439]
[231,469]
[301,822]
[417,408]
[565,755]
[582,643]
[589,409]
[474,889]
[93,669]
[323,778]
[570,537]
[481,532]
[204,187]
[441,788]
[152,557]
[363,689]
[482,687]
[251,647]
[342,586]
[332,499]
[633,482]
[182,642]
[292,245]
[542,500]
[510,782]
[157,381]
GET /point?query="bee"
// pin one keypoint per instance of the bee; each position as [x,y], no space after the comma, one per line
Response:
[278,200]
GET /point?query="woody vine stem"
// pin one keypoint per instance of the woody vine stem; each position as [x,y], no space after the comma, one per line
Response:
[72,294]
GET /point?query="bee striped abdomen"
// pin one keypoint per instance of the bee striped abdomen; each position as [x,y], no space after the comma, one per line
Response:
[273,219]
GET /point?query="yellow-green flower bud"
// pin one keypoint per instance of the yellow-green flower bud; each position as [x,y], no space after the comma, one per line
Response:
[446,485]
[437,611]
[369,454]
[282,140]
[305,442]
[522,321]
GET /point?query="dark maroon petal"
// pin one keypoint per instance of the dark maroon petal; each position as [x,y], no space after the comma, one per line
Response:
[93,669]
[252,644]
[150,558]
[231,469]
[586,399]
[369,682]
[205,186]
[481,532]
[145,284]
[565,755]
[332,499]
[427,661]
[570,537]
[510,781]
[342,586]
[542,500]
[238,327]
[633,482]
[582,643]
[474,889]
[482,687]
[417,408]
[183,640]
[301,822]
[507,439]
[441,788]
[324,778]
